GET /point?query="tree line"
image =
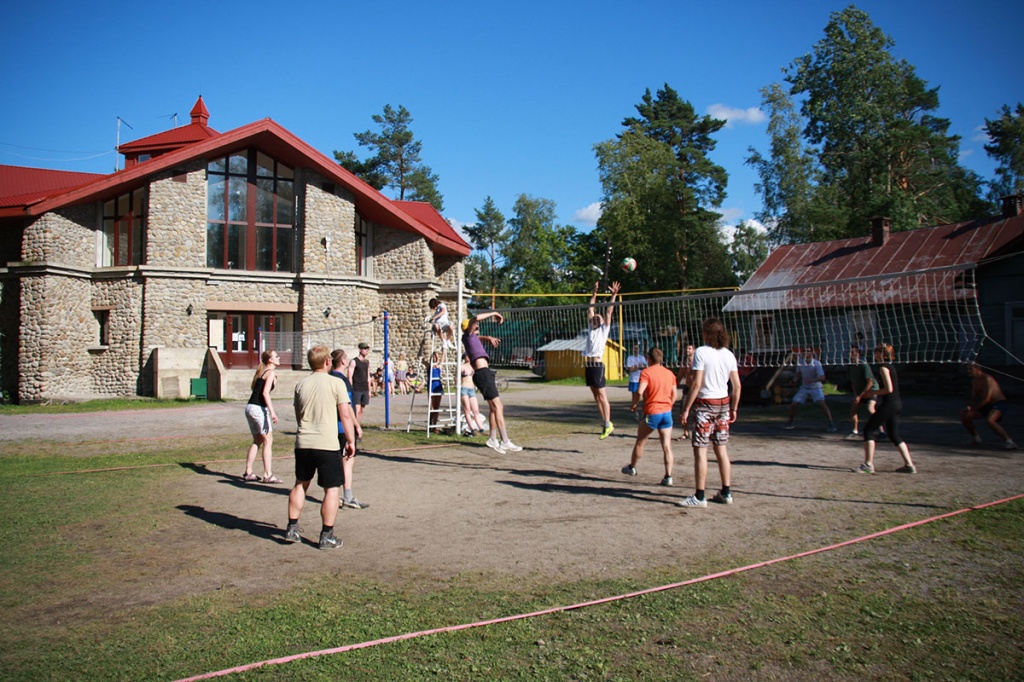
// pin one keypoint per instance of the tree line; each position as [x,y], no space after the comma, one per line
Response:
[853,134]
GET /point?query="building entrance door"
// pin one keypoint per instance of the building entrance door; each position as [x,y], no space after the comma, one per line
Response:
[237,337]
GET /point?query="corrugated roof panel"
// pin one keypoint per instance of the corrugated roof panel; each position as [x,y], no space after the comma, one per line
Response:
[913,250]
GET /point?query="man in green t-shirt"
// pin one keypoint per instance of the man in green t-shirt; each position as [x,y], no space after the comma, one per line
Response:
[862,383]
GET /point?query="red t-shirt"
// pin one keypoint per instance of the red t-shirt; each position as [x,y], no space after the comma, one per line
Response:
[661,389]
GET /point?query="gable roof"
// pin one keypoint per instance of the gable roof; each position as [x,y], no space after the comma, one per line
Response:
[797,267]
[265,135]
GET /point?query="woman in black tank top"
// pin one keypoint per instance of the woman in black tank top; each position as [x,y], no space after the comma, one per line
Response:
[887,413]
[259,413]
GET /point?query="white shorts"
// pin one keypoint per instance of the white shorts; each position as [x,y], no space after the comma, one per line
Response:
[813,391]
[259,420]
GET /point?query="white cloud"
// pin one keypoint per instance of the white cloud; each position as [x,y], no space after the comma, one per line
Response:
[730,222]
[980,135]
[729,215]
[732,115]
[460,227]
[588,215]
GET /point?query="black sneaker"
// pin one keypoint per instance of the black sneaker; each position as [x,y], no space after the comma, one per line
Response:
[291,534]
[330,541]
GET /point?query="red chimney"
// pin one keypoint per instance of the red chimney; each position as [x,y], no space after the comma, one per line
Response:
[880,230]
[1011,205]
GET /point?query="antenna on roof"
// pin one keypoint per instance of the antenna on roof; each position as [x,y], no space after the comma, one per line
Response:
[118,143]
[173,117]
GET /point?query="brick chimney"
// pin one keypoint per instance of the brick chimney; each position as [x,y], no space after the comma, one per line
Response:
[1011,205]
[880,231]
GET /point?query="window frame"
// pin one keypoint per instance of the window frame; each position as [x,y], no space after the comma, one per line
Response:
[128,223]
[237,229]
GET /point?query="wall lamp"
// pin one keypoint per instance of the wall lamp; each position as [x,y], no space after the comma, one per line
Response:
[327,311]
[189,310]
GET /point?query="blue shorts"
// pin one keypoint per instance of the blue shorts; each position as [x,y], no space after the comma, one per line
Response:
[634,386]
[657,422]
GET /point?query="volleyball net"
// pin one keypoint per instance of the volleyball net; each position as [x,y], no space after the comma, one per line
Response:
[929,316]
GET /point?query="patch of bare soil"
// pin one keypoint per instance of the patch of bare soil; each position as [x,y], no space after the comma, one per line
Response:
[558,510]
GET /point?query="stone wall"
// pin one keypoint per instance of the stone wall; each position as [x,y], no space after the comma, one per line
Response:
[176,230]
[115,369]
[65,237]
[449,270]
[10,334]
[57,329]
[399,255]
[326,214]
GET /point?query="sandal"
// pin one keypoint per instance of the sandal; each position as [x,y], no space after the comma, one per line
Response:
[272,479]
[248,478]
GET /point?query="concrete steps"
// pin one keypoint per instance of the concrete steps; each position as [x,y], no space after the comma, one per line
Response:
[238,382]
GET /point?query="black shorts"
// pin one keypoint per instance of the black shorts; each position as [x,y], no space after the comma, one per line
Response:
[483,379]
[325,463]
[595,375]
[361,398]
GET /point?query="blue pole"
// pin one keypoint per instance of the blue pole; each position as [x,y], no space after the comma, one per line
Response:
[387,370]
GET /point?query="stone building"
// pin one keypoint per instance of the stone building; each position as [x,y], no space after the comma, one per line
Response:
[183,264]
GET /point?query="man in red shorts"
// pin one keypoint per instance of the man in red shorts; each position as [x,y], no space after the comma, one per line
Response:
[714,368]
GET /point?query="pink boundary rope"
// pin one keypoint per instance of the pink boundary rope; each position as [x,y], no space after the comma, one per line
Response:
[605,600]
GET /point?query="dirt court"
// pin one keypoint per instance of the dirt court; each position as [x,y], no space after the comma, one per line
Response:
[558,510]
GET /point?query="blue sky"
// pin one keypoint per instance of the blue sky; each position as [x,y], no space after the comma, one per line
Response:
[506,97]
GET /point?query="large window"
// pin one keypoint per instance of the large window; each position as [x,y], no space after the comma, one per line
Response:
[363,260]
[250,213]
[124,230]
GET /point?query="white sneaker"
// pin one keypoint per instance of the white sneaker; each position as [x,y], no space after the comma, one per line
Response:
[691,501]
[496,446]
[1009,445]
[510,446]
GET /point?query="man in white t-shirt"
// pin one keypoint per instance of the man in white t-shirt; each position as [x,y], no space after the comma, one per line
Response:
[635,364]
[714,368]
[810,375]
[593,355]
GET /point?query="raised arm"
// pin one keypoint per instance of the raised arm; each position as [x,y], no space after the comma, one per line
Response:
[614,288]
[593,301]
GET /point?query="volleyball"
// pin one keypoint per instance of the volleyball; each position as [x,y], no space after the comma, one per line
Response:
[628,265]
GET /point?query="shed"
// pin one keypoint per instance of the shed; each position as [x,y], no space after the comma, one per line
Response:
[563,358]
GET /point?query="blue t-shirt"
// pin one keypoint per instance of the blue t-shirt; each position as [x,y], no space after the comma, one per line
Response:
[348,387]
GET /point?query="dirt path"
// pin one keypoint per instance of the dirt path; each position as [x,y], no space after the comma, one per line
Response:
[558,509]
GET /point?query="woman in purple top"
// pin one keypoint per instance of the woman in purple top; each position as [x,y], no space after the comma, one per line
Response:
[483,379]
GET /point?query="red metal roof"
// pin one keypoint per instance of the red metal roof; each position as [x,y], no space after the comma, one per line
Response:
[196,131]
[20,186]
[265,135]
[821,263]
[427,214]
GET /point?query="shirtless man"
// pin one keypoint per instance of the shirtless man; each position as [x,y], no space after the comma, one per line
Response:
[987,402]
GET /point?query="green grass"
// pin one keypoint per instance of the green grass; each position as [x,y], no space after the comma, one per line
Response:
[107,404]
[810,619]
[943,601]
